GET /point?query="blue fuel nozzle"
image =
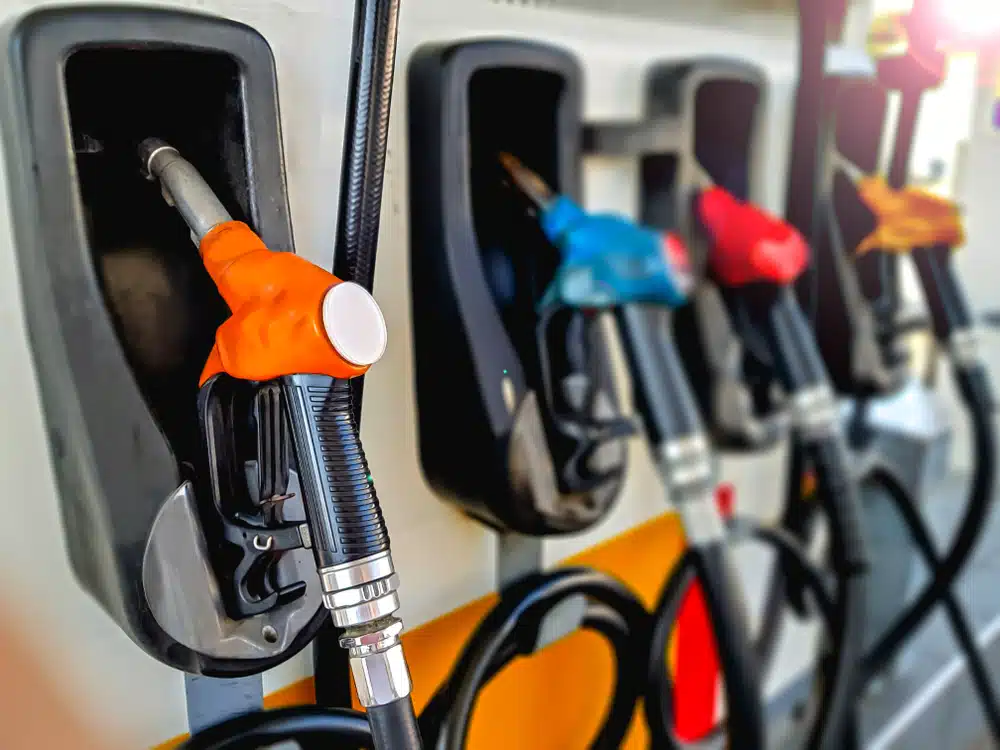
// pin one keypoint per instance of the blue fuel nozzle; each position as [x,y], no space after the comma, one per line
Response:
[607,260]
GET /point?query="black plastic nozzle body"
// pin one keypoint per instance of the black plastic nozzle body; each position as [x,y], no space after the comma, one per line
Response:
[345,519]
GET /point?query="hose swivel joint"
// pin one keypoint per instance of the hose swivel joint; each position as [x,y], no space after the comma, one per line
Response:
[360,591]
[377,662]
[686,466]
[815,412]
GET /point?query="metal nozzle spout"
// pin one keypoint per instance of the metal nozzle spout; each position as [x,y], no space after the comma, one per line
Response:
[183,186]
[528,182]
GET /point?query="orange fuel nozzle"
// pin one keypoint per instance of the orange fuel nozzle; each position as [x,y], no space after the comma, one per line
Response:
[909,218]
[289,316]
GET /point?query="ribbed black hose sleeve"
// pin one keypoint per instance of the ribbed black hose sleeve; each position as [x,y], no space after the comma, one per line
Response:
[974,388]
[737,659]
[373,59]
[342,509]
[373,62]
[311,727]
[394,726]
[847,546]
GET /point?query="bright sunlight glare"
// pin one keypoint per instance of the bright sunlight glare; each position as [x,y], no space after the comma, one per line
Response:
[979,18]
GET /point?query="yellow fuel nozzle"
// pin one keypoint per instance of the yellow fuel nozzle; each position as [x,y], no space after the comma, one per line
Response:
[887,37]
[909,218]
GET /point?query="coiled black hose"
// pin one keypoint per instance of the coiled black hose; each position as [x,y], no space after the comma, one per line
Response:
[974,388]
[312,727]
[658,697]
[960,624]
[511,629]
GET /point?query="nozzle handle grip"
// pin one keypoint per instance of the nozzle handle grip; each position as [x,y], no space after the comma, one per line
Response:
[946,301]
[662,393]
[795,354]
[799,365]
[342,508]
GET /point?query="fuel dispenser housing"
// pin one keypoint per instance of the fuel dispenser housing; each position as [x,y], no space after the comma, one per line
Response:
[121,315]
[488,440]
[684,144]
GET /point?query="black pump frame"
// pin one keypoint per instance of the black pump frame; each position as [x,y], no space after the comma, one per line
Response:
[113,465]
[473,379]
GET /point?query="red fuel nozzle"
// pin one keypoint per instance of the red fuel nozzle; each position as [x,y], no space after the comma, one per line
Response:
[748,245]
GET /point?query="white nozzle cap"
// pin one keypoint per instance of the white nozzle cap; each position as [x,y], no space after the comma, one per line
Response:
[354,324]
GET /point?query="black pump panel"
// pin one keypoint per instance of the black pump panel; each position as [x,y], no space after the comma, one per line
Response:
[120,310]
[860,120]
[480,263]
[850,297]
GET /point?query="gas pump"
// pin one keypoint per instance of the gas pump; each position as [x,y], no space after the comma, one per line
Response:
[134,487]
[611,263]
[221,513]
[530,391]
[860,225]
[698,152]
[299,334]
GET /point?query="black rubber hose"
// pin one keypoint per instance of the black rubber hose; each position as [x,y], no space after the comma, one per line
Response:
[373,62]
[599,618]
[669,412]
[737,658]
[965,635]
[311,727]
[785,589]
[658,698]
[847,643]
[394,725]
[515,620]
[800,369]
[974,387]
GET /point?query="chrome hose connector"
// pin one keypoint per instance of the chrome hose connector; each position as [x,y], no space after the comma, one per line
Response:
[687,470]
[362,599]
[814,412]
[360,591]
[963,346]
[377,662]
